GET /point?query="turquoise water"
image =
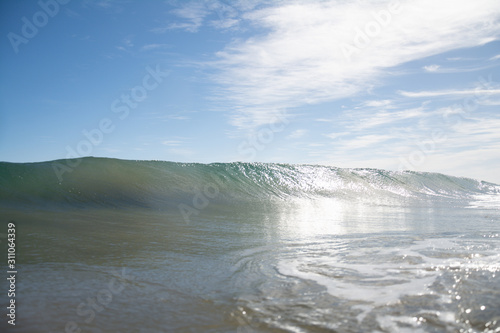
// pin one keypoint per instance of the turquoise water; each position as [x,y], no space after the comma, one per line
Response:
[136,246]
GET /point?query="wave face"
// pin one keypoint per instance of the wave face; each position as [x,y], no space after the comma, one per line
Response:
[103,182]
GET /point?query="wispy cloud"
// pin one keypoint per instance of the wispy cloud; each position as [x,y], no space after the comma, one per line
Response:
[227,13]
[115,5]
[226,23]
[449,92]
[336,135]
[192,14]
[299,60]
[382,139]
[431,68]
[178,146]
[171,143]
[222,15]
[489,102]
[461,69]
[379,103]
[150,47]
[126,44]
[297,134]
[176,117]
[372,119]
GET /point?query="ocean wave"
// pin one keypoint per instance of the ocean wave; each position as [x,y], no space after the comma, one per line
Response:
[105,182]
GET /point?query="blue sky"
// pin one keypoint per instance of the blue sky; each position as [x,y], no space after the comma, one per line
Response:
[381,84]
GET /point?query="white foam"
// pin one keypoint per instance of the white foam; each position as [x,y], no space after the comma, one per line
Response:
[388,323]
[383,277]
[373,293]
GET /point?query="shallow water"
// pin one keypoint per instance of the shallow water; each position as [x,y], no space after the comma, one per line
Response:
[299,268]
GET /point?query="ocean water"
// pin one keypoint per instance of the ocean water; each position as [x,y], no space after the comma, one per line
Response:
[105,245]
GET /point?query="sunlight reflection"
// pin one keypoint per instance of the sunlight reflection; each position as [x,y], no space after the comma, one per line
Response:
[312,217]
[332,216]
[491,201]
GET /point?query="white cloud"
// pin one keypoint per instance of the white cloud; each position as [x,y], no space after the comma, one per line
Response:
[177,117]
[192,13]
[172,143]
[336,135]
[462,146]
[431,68]
[297,134]
[490,102]
[195,14]
[150,47]
[378,104]
[450,92]
[127,44]
[226,13]
[225,24]
[462,69]
[370,119]
[495,57]
[479,131]
[302,57]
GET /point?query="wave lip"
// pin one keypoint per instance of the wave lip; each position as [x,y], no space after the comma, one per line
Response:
[106,182]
